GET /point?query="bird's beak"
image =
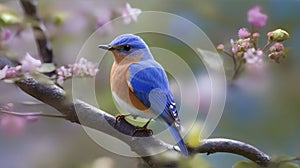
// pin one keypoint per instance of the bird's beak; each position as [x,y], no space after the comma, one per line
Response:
[106,47]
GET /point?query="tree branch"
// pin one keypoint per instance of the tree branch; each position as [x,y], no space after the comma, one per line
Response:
[39,29]
[211,146]
[104,122]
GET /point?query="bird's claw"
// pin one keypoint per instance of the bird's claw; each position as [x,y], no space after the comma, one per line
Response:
[120,117]
[142,129]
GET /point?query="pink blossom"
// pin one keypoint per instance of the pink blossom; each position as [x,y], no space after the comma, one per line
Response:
[256,35]
[10,72]
[256,17]
[29,63]
[130,14]
[277,52]
[235,49]
[13,71]
[83,68]
[240,46]
[64,72]
[277,47]
[12,124]
[253,56]
[220,47]
[244,33]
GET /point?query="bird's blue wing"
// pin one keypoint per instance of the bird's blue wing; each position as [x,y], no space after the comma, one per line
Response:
[150,85]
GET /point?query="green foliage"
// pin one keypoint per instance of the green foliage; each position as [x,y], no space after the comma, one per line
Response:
[46,68]
[289,165]
[243,164]
[193,138]
[59,19]
[8,18]
[196,161]
[280,162]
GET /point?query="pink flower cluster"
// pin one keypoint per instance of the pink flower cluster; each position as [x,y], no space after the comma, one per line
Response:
[253,56]
[277,52]
[28,64]
[246,50]
[83,68]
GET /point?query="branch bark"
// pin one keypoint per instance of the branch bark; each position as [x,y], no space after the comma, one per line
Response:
[211,146]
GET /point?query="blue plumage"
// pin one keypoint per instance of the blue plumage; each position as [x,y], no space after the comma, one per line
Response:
[149,78]
[134,41]
[146,79]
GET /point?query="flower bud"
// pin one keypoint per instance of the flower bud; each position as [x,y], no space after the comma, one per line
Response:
[278,35]
[220,47]
[244,33]
[277,52]
[256,35]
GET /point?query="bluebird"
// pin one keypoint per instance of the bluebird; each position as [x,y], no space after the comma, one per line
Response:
[140,86]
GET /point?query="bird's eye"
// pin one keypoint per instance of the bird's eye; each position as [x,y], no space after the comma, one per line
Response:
[127,47]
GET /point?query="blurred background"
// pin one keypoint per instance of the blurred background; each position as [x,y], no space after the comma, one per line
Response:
[262,106]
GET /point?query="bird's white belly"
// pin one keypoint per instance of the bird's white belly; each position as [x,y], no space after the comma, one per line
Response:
[132,110]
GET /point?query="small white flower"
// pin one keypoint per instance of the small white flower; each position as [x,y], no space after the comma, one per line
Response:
[253,56]
[29,63]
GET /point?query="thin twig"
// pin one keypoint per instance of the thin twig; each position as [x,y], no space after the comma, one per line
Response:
[265,48]
[232,56]
[39,29]
[27,114]
[237,70]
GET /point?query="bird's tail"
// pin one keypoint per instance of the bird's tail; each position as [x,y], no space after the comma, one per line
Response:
[175,132]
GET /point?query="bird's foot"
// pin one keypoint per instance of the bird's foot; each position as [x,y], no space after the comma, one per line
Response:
[121,117]
[143,129]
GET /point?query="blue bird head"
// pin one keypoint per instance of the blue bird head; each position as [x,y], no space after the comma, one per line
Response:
[128,45]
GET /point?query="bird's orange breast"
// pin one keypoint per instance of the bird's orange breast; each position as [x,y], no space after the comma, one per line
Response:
[119,83]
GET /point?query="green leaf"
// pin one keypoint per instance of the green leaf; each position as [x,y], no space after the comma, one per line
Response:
[8,18]
[243,164]
[41,78]
[59,19]
[193,138]
[289,165]
[196,161]
[46,68]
